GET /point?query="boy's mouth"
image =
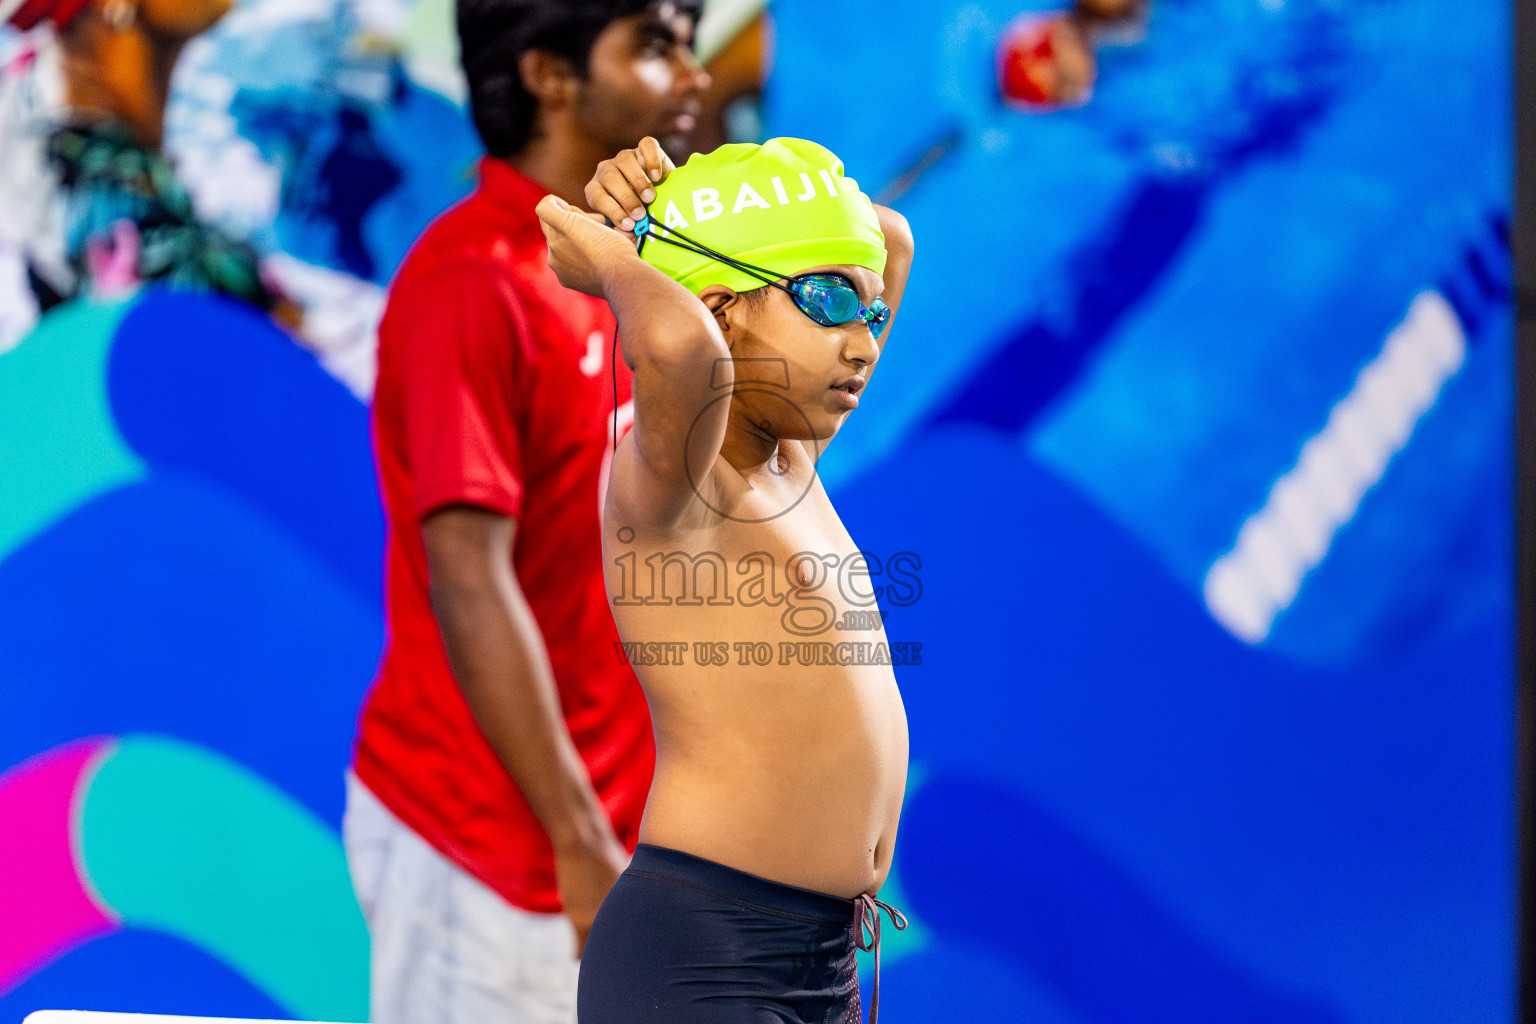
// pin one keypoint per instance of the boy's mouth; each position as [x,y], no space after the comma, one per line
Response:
[848,391]
[853,385]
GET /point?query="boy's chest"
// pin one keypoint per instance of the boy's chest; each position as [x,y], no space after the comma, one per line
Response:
[797,576]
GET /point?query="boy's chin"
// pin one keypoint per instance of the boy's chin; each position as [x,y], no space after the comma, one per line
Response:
[816,438]
[816,426]
[827,429]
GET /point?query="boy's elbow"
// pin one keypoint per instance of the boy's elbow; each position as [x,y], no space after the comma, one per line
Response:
[897,232]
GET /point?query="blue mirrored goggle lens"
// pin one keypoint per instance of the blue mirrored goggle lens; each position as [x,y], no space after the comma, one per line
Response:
[811,296]
[831,301]
[840,304]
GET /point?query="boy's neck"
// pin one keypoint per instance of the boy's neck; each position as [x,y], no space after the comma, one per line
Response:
[746,446]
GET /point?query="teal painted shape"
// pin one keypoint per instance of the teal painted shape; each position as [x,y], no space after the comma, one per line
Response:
[179,839]
[916,937]
[895,945]
[59,446]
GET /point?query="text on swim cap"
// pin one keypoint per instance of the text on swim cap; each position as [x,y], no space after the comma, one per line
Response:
[707,204]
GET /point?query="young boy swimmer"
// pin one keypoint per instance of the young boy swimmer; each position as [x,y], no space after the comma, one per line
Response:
[772,816]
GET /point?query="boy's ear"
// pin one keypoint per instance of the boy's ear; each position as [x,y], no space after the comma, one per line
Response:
[725,305]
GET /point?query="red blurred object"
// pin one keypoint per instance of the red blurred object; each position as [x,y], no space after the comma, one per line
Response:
[1045,61]
[1026,62]
[60,12]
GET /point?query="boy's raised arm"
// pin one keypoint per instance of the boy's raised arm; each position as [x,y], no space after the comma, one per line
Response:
[898,262]
[671,342]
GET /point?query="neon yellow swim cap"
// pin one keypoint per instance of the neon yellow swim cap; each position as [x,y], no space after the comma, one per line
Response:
[784,205]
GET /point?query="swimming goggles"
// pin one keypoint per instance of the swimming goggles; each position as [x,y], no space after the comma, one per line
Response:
[828,299]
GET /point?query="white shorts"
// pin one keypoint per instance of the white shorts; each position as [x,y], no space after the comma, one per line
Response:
[446,948]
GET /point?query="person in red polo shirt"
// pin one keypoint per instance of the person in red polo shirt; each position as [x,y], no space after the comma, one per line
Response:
[504,752]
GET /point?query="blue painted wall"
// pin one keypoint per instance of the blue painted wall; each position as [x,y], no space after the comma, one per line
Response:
[1125,322]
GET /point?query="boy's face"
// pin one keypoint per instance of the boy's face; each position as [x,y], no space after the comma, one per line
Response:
[643,79]
[823,363]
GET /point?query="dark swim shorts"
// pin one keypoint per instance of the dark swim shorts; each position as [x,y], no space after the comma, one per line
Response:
[684,940]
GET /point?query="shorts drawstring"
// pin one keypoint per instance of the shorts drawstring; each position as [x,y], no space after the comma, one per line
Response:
[866,909]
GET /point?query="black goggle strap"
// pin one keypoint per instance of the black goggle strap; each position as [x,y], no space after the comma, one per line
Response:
[646,228]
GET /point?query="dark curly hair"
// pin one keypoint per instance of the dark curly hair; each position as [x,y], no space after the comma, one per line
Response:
[493,36]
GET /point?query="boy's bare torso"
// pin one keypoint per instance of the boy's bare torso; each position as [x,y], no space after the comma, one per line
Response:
[791,771]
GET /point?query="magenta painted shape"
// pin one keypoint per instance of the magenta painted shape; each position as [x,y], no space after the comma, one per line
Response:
[45,910]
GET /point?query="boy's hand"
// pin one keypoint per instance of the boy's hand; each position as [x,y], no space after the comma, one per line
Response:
[580,247]
[622,186]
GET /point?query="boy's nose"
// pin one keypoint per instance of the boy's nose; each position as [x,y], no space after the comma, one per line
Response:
[861,347]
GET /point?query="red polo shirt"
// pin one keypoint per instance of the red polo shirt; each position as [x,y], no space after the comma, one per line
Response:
[494,391]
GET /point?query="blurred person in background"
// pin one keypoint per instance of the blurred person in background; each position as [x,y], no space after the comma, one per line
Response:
[505,753]
[88,202]
[1049,61]
[738,71]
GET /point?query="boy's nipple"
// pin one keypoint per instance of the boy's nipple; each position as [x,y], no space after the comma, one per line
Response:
[805,572]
